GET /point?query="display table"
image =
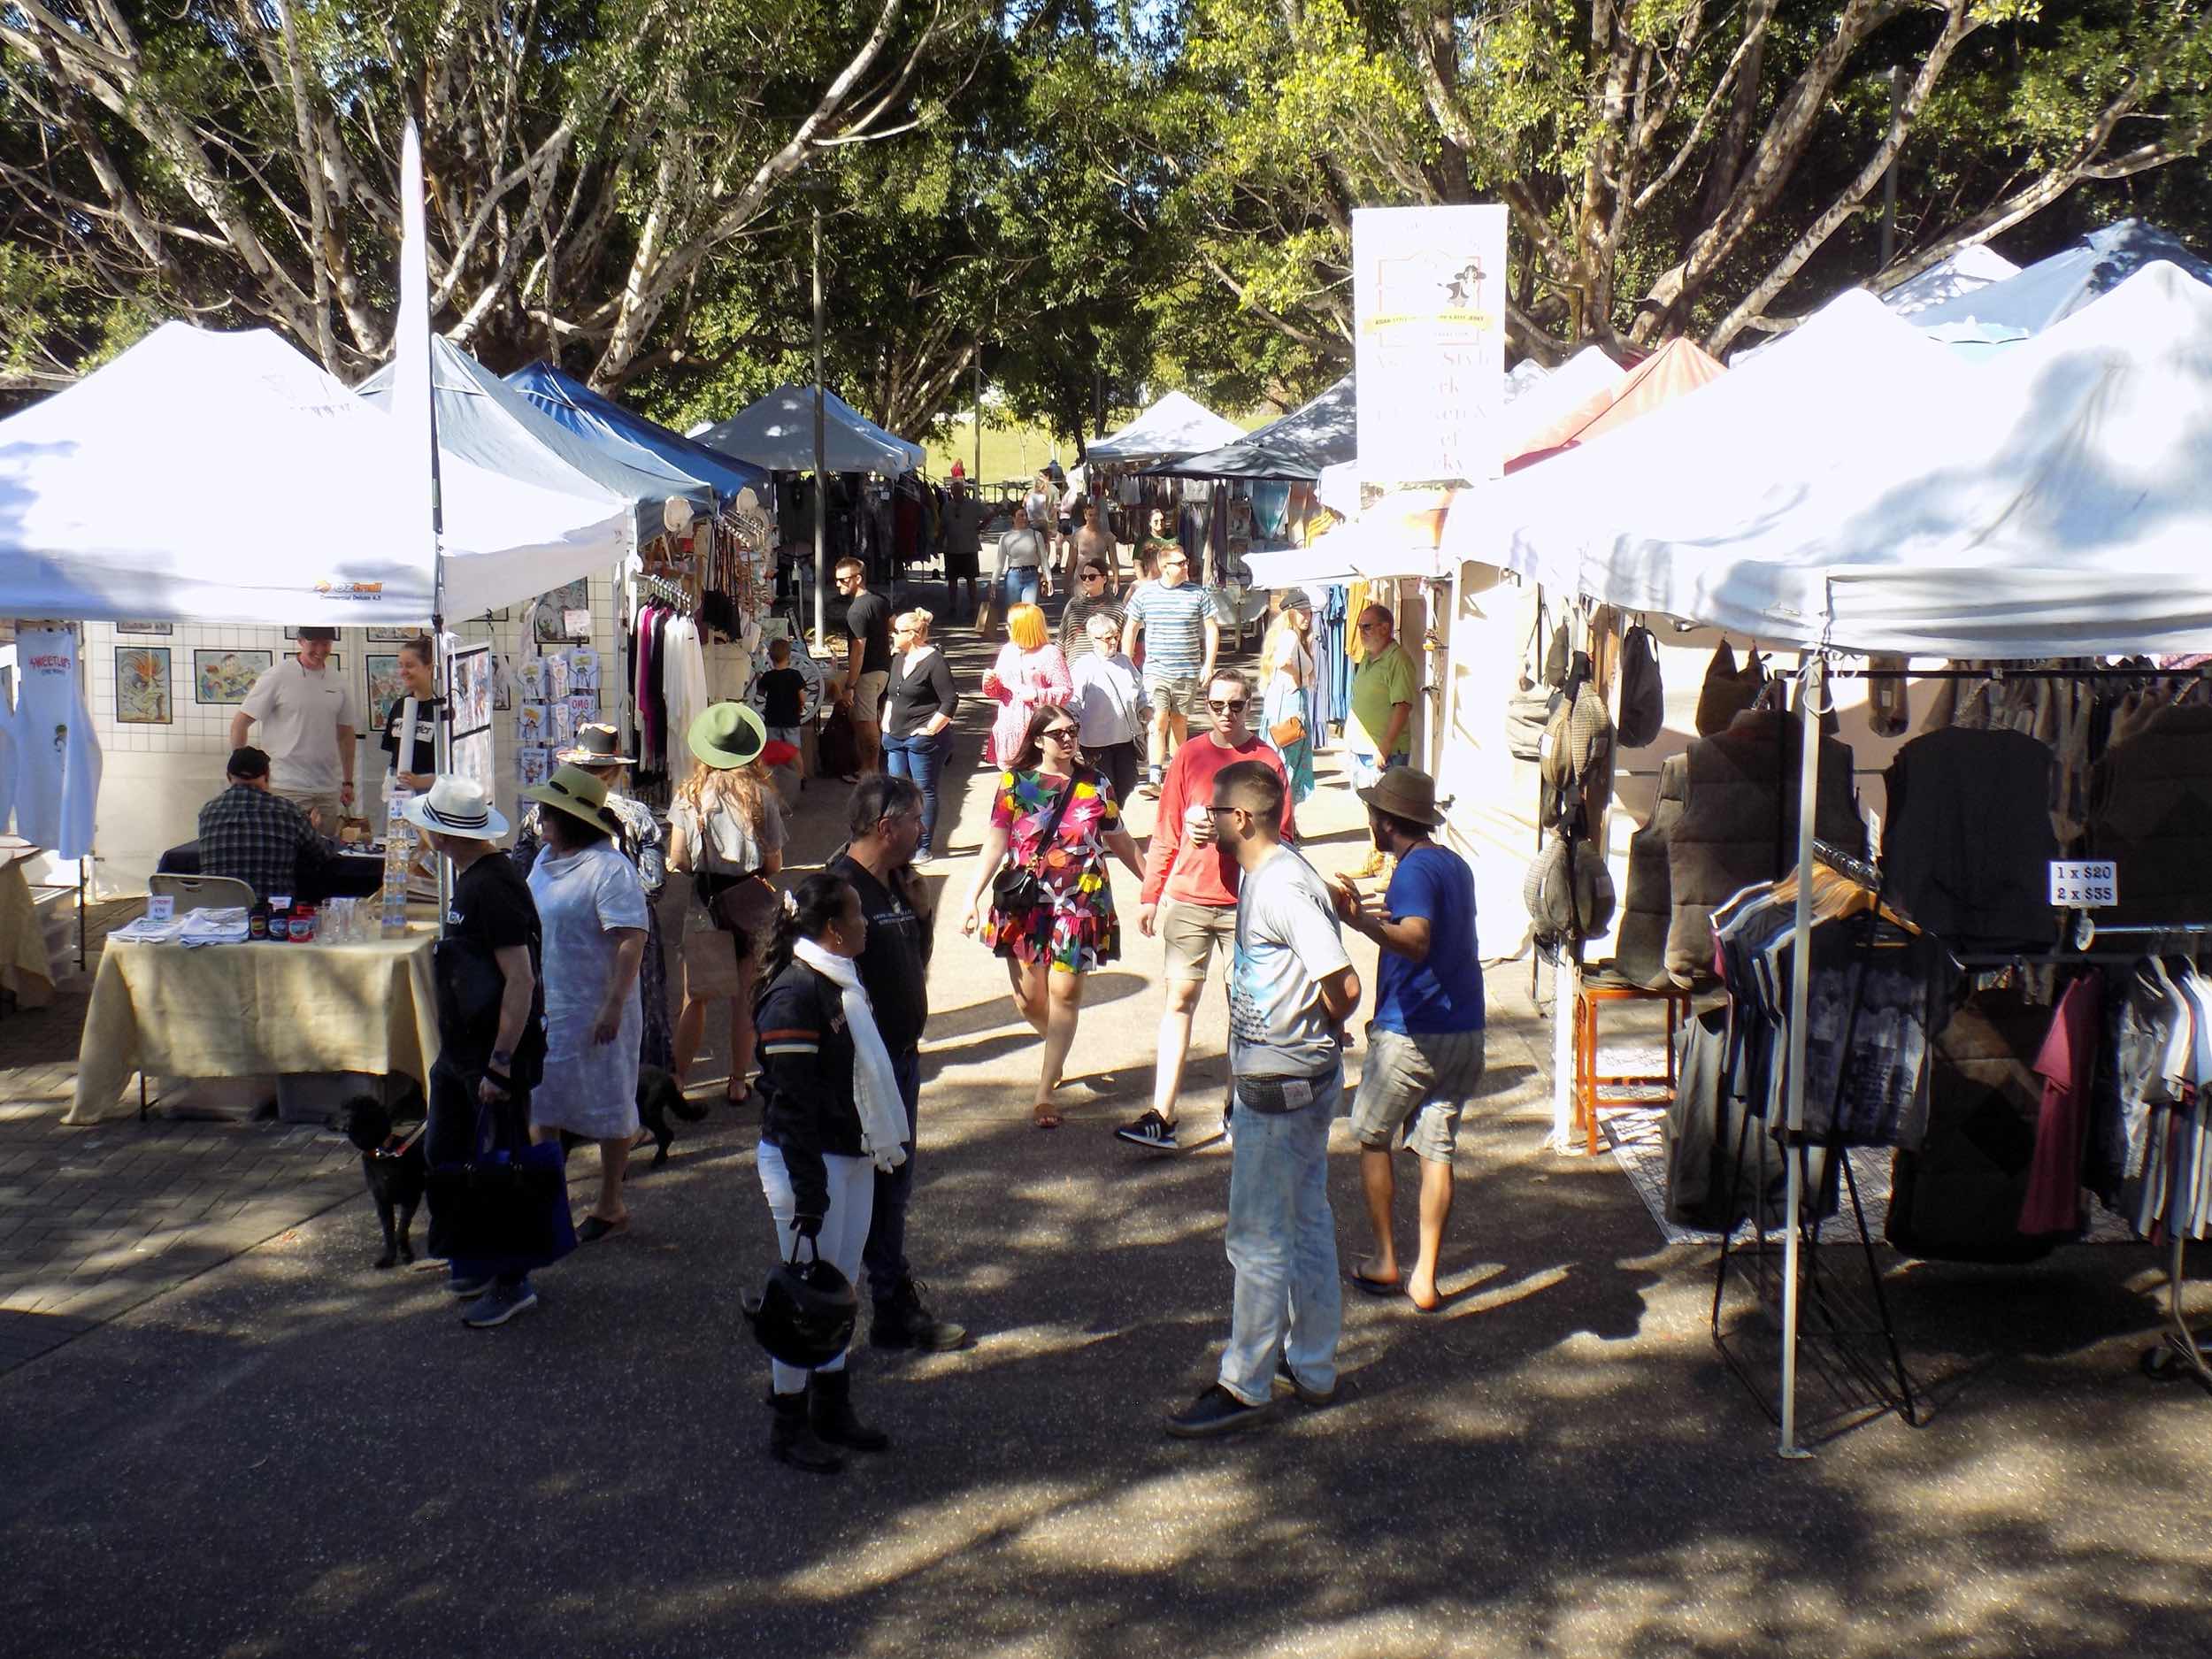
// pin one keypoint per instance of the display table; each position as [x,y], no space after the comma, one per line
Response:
[256,1011]
[24,968]
[351,875]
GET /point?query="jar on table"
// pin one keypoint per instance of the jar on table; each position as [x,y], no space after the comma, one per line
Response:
[303,924]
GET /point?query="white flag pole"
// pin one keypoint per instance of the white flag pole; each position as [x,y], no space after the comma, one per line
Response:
[414,407]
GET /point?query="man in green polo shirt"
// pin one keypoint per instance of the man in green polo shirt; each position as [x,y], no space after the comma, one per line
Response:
[1379,733]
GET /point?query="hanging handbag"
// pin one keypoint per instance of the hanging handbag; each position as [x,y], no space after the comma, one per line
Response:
[1284,733]
[1643,697]
[1728,691]
[1017,889]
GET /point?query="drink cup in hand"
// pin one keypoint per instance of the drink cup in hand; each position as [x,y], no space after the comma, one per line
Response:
[1198,824]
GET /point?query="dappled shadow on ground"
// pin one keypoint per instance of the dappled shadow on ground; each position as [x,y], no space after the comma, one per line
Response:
[1558,1463]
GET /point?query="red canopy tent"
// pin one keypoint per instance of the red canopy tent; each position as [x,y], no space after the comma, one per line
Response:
[1680,365]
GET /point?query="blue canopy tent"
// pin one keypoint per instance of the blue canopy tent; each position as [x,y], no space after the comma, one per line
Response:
[1316,435]
[486,420]
[2051,289]
[582,409]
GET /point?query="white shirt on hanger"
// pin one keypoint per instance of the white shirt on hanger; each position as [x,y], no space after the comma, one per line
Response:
[57,756]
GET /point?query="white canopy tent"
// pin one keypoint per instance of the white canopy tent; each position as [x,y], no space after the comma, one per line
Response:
[225,478]
[777,432]
[2056,503]
[1174,426]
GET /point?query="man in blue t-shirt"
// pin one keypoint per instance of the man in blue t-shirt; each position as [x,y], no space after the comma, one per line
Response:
[1424,1043]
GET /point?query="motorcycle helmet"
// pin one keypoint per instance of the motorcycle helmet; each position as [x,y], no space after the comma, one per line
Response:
[805,1313]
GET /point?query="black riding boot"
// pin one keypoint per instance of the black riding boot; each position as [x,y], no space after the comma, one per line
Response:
[792,1440]
[829,1396]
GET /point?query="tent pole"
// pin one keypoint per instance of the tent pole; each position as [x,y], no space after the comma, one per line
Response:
[821,482]
[1810,694]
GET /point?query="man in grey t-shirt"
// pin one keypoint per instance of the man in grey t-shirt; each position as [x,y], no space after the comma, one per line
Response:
[1291,989]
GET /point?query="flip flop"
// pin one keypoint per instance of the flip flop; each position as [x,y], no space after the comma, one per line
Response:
[596,1229]
[1044,1118]
[1375,1286]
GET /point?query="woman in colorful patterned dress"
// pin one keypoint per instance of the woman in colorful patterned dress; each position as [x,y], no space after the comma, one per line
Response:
[1049,950]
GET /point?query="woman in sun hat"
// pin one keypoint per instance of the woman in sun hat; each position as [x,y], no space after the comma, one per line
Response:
[598,750]
[592,909]
[725,832]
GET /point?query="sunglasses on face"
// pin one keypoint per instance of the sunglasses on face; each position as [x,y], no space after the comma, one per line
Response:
[1093,576]
[1059,734]
[1235,705]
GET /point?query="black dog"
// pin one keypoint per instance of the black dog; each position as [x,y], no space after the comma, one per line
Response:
[395,1168]
[658,1100]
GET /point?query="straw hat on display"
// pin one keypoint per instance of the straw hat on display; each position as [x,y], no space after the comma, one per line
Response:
[576,792]
[727,735]
[454,806]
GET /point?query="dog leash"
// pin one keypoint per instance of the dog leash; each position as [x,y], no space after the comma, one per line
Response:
[388,1151]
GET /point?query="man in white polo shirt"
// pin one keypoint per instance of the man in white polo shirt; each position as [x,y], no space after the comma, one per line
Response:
[308,721]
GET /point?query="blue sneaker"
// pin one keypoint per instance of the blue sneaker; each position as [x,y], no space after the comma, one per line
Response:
[474,1286]
[499,1304]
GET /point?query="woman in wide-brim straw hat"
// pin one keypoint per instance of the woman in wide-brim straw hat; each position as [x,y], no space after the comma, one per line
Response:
[593,914]
[725,832]
[598,750]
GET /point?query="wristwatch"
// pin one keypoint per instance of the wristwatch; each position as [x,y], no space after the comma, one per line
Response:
[502,1057]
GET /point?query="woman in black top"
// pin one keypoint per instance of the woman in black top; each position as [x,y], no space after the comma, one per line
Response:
[411,757]
[814,1159]
[918,717]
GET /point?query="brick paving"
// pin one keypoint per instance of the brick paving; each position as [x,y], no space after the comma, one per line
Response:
[98,1218]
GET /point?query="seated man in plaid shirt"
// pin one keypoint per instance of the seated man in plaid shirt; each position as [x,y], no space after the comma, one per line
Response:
[261,839]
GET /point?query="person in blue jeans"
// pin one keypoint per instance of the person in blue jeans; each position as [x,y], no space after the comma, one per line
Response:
[1291,987]
[917,710]
[1021,559]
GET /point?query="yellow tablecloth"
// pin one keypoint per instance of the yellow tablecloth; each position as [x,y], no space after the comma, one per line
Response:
[24,968]
[256,1011]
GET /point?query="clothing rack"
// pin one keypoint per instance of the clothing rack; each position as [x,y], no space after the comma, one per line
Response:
[661,590]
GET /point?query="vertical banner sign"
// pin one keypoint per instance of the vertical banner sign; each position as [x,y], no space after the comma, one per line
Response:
[1428,293]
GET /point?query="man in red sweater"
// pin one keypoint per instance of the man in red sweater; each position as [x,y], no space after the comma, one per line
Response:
[1186,865]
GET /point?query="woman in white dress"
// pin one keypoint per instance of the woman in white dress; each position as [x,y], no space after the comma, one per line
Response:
[592,913]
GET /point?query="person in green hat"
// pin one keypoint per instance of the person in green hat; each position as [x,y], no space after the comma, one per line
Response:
[725,832]
[592,914]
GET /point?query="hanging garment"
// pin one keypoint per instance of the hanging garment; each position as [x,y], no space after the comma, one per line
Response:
[1738,824]
[57,756]
[2151,813]
[683,686]
[2065,1062]
[1728,690]
[1718,1172]
[9,755]
[1959,1197]
[1639,944]
[1967,849]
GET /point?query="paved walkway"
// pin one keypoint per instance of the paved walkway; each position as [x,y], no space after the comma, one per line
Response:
[291,1452]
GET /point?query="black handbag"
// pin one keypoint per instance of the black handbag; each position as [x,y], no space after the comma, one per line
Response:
[1017,889]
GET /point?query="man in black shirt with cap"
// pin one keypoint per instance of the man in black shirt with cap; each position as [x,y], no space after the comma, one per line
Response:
[885,826]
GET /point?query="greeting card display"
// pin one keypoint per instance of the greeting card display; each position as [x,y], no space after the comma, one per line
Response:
[556,677]
[583,708]
[533,765]
[534,724]
[563,730]
[535,679]
[583,670]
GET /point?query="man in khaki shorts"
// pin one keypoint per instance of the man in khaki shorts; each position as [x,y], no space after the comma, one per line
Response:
[1424,1043]
[1187,866]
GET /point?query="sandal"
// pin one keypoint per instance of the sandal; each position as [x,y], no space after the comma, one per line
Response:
[1375,1286]
[1043,1116]
[595,1228]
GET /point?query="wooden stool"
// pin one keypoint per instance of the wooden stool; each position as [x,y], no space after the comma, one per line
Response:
[1588,1085]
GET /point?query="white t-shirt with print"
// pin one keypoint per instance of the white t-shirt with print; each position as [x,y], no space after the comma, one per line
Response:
[300,712]
[1288,942]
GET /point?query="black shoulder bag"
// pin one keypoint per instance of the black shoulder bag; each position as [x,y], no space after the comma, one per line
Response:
[1017,890]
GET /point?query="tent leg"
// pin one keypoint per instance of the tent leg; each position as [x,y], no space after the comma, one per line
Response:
[1801,987]
[1566,991]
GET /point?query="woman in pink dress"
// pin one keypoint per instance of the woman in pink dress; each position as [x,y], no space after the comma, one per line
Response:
[1029,673]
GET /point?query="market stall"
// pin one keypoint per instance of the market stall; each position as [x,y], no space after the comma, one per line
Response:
[2040,514]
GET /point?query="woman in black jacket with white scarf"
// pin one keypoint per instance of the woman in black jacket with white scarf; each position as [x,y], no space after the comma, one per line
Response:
[832,1116]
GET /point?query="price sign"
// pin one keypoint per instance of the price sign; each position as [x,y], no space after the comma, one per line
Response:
[2083,886]
[161,907]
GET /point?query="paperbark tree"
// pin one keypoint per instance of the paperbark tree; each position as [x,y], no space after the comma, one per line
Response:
[236,158]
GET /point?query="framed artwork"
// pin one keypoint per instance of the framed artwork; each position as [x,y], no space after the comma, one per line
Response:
[385,687]
[220,676]
[142,685]
[472,682]
[291,633]
[163,628]
[551,622]
[392,636]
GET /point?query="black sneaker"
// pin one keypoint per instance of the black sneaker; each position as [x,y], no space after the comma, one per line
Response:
[1216,1411]
[1152,1131]
[904,1320]
[1288,1378]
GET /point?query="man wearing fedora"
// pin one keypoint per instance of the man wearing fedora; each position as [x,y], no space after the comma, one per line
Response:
[1424,1043]
[486,1069]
